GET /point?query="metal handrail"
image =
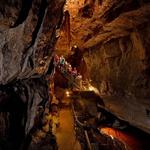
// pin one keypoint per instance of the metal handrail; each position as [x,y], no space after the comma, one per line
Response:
[83,126]
[68,76]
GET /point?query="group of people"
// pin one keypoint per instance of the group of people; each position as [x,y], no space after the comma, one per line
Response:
[66,69]
[64,66]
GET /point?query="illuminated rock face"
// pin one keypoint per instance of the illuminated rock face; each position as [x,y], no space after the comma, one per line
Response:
[27,35]
[118,60]
[115,43]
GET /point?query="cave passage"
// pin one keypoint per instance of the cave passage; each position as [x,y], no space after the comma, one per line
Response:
[74,75]
[104,128]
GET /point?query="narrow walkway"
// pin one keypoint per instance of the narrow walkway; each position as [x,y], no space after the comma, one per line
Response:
[65,134]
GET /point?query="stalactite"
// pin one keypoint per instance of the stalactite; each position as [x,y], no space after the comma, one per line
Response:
[66,28]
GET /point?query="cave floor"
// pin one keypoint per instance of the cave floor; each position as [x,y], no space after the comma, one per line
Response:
[65,134]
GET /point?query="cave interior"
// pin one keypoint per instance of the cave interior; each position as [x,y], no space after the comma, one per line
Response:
[74,74]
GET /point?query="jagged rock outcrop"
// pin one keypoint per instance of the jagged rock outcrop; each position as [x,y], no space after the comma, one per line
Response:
[20,103]
[27,36]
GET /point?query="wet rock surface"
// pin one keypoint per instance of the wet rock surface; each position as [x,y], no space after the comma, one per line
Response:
[119,66]
[114,40]
[104,129]
[27,36]
[114,43]
[86,124]
[30,38]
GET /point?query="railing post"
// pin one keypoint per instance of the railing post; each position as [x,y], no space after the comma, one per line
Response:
[87,139]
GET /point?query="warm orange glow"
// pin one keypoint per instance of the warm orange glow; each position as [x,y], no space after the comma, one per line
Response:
[67,93]
[73,6]
[91,88]
[128,139]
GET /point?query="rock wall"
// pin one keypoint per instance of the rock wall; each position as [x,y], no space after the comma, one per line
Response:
[119,66]
[27,37]
[114,41]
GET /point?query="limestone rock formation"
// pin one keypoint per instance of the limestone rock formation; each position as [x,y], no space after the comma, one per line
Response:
[27,36]
[119,66]
[115,46]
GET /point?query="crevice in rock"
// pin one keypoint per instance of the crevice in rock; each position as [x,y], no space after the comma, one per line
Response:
[37,29]
[51,66]
[26,6]
[40,21]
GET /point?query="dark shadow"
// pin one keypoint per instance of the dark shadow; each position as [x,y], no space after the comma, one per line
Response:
[26,6]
